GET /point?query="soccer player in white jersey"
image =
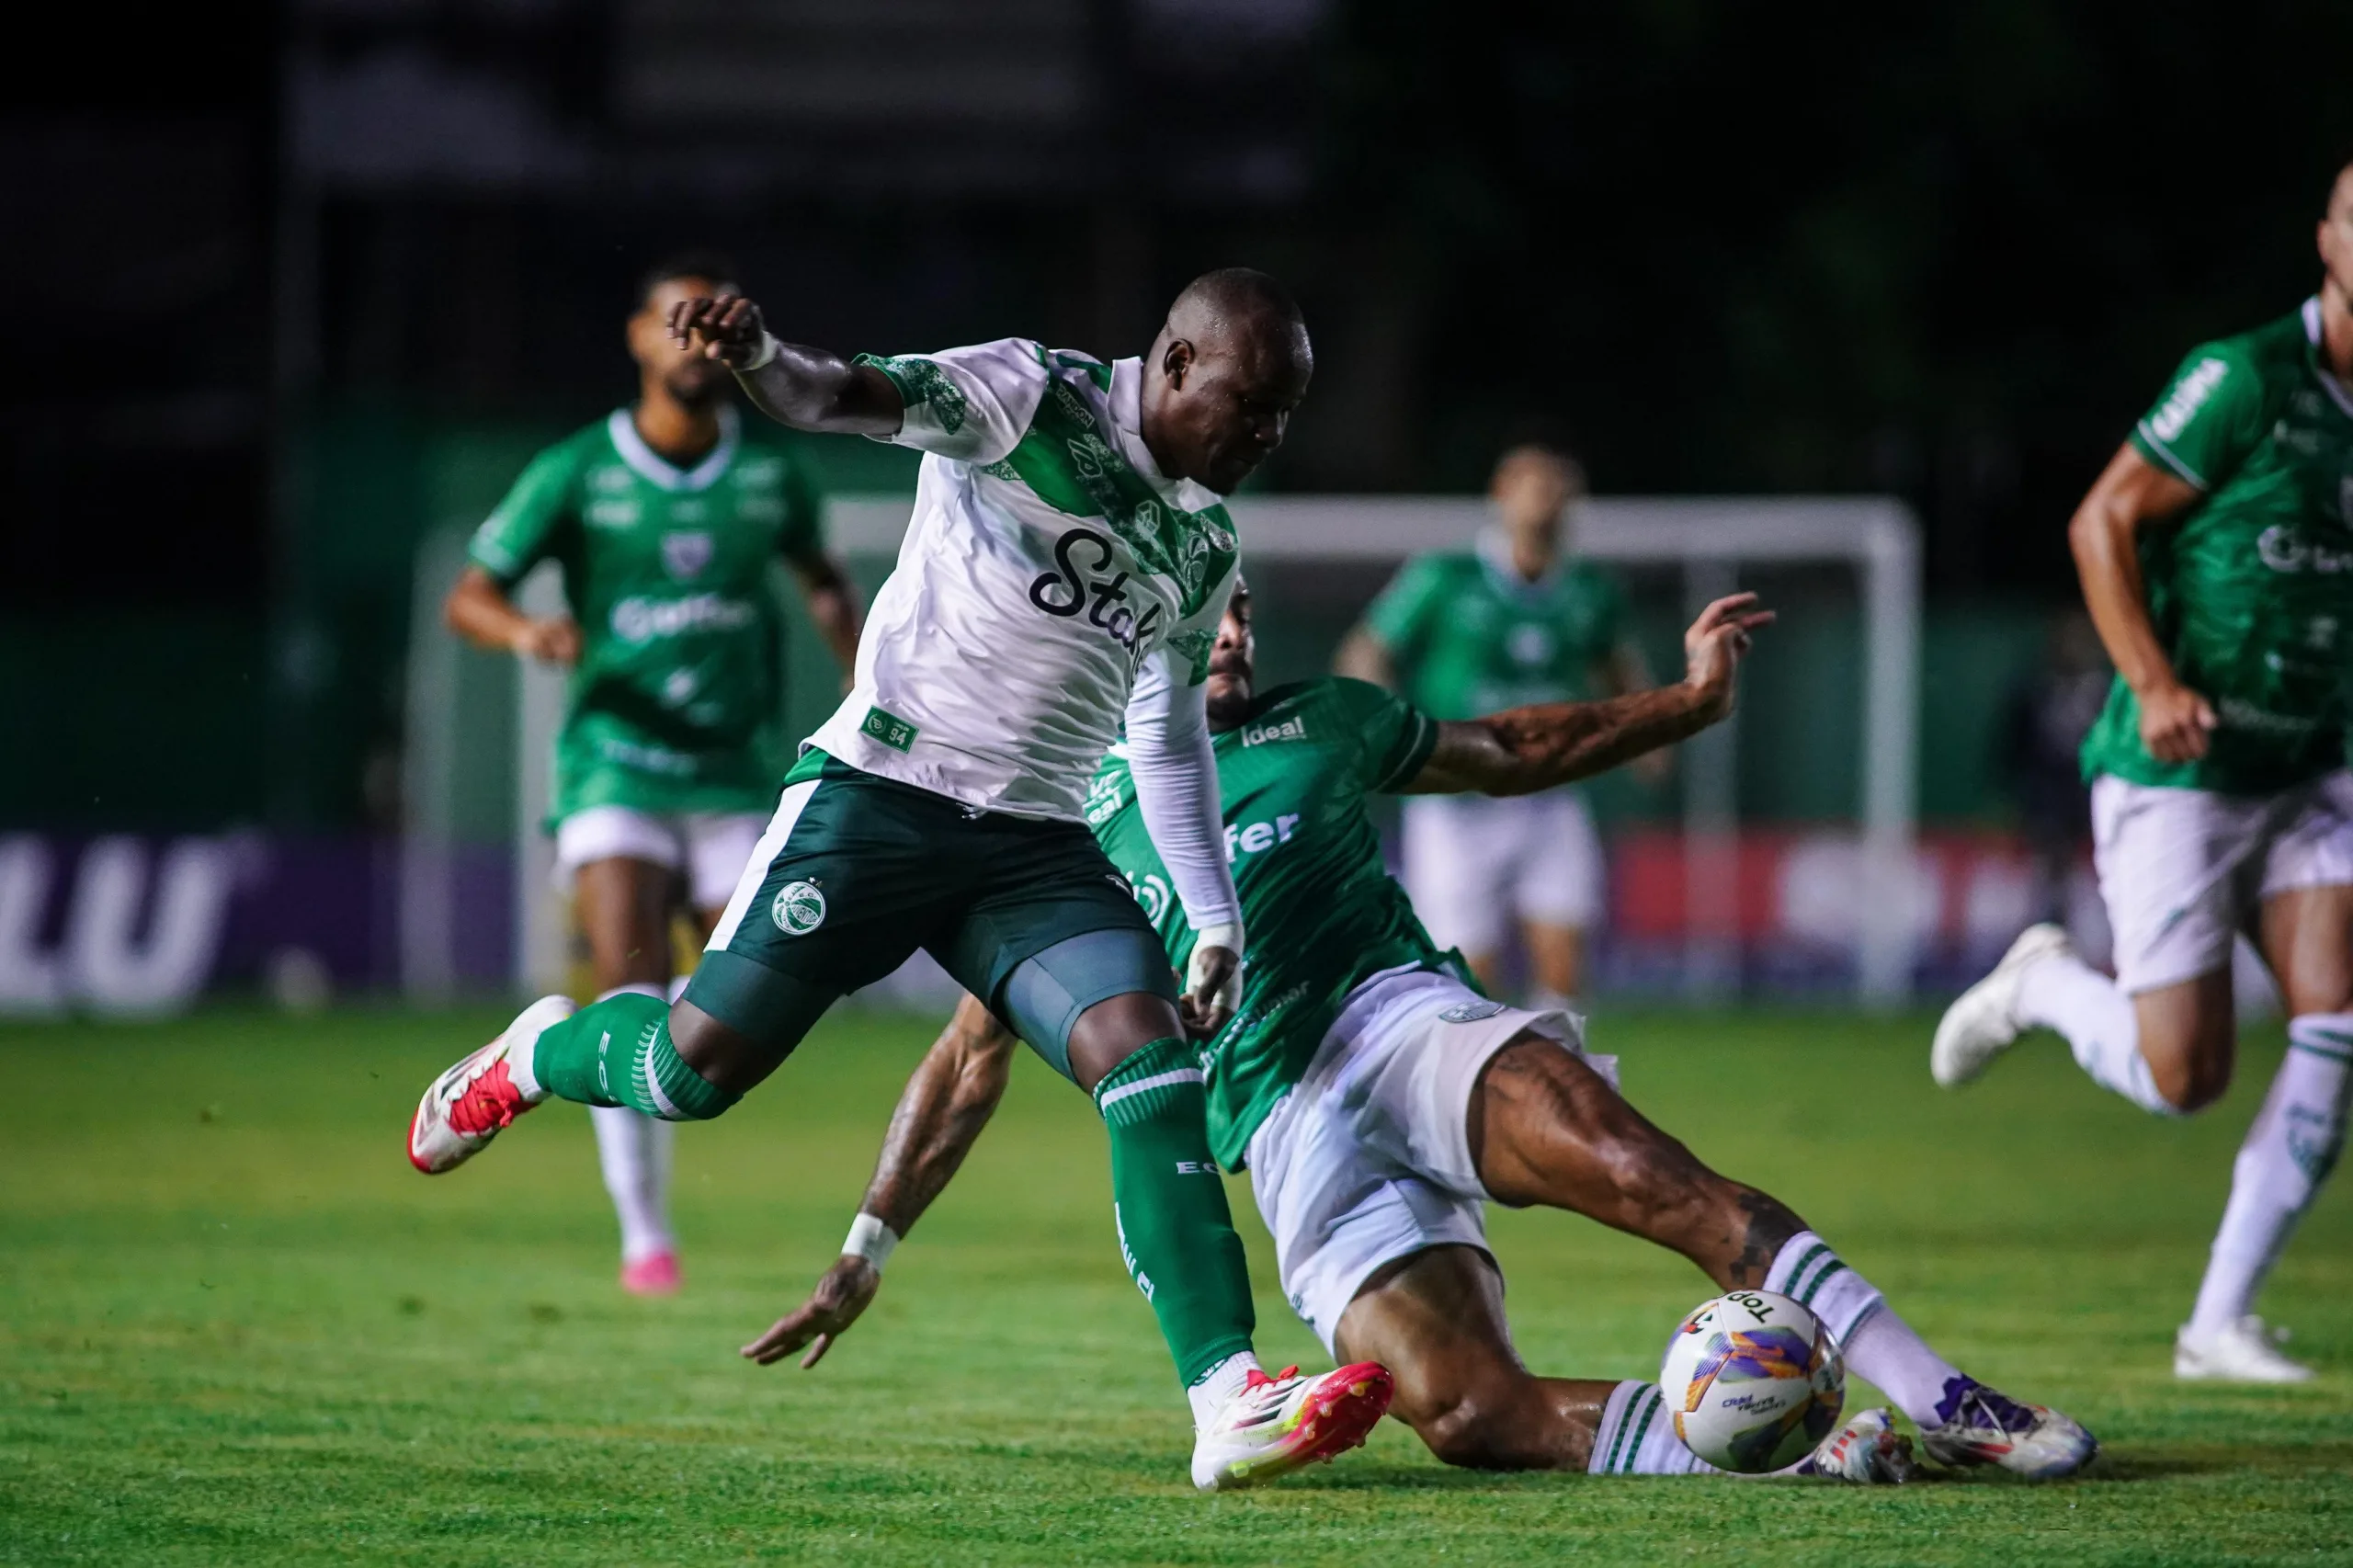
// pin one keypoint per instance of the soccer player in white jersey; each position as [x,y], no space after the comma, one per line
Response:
[1065,570]
[666,520]
[1518,620]
[2216,553]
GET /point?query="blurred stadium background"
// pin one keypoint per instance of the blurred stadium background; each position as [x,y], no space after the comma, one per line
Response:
[314,279]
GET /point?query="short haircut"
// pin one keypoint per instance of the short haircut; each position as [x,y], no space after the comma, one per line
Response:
[1541,435]
[712,266]
[2328,194]
[1242,292]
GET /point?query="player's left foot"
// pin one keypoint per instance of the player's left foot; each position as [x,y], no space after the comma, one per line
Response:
[1982,1021]
[1866,1450]
[2031,1440]
[656,1274]
[1275,1425]
[469,1105]
[2241,1353]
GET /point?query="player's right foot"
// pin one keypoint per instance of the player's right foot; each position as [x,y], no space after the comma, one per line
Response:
[2031,1440]
[466,1107]
[2242,1353]
[1275,1425]
[656,1274]
[1866,1450]
[1984,1020]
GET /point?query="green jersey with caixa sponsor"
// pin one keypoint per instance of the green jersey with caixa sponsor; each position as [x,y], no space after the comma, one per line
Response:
[2251,590]
[1322,913]
[675,704]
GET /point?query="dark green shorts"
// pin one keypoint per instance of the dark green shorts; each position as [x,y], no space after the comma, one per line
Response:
[861,871]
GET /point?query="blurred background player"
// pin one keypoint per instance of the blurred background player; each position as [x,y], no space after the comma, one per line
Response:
[1379,1102]
[2216,553]
[665,519]
[2044,721]
[1518,620]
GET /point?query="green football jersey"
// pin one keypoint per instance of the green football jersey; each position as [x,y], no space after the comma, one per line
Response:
[1471,636]
[1322,911]
[2251,590]
[676,703]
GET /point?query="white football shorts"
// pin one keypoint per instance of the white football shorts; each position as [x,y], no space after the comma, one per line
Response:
[709,848]
[2183,871]
[1368,1159]
[1474,865]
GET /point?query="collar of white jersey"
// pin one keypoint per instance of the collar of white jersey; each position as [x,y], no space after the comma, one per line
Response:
[1494,546]
[2328,380]
[1126,420]
[660,472]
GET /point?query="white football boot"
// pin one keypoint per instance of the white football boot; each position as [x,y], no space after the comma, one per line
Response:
[1275,1425]
[2242,1353]
[1866,1450]
[467,1106]
[1984,1021]
[2031,1440]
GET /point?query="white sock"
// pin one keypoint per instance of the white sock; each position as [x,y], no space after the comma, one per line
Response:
[635,1150]
[1218,1384]
[2066,994]
[2289,1152]
[1637,1437]
[1877,1343]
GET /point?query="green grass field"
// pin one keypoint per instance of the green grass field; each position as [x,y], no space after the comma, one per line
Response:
[235,1328]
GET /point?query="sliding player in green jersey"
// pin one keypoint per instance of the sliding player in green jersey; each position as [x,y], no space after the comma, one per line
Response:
[2217,557]
[1378,1099]
[1063,576]
[666,519]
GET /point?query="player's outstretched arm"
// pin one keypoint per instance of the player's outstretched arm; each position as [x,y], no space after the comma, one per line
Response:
[1522,750]
[478,611]
[2131,495]
[809,389]
[954,1092]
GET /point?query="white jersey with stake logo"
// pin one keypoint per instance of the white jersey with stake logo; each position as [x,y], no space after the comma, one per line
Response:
[1051,575]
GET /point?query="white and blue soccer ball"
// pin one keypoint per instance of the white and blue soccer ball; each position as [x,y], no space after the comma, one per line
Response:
[1753,1380]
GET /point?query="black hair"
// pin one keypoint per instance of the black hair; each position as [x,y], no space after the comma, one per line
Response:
[1245,291]
[1542,434]
[712,266]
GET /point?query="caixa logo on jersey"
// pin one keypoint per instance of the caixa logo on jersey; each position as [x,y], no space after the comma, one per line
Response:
[2282,548]
[1077,586]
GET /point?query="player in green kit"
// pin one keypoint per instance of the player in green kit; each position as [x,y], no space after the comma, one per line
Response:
[2216,553]
[665,519]
[1518,620]
[1378,1099]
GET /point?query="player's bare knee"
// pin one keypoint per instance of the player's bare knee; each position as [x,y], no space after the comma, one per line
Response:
[2192,1082]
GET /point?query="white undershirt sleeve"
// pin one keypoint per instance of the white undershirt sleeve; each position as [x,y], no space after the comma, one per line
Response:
[1175,770]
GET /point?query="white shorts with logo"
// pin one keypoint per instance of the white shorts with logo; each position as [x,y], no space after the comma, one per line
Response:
[708,848]
[1475,865]
[2183,871]
[1368,1159]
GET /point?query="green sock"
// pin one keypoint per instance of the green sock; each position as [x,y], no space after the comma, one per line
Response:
[1176,1232]
[618,1051]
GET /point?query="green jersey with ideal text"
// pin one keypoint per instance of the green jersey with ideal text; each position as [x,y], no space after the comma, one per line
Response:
[1322,911]
[676,703]
[2251,589]
[1471,636]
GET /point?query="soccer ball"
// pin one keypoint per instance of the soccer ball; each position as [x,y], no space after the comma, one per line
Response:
[1753,1380]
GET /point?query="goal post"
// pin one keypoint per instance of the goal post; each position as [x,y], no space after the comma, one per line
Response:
[1347,546]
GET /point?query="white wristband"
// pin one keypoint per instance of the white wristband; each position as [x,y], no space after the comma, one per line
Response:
[871,1239]
[1229,937]
[768,346]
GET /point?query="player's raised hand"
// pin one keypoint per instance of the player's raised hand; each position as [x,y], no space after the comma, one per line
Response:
[728,329]
[841,1295]
[551,640]
[1717,642]
[2176,724]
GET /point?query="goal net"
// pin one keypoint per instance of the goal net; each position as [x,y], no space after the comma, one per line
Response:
[1776,857]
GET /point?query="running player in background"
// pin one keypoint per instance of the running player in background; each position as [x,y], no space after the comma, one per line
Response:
[664,518]
[1379,1101]
[1518,620]
[1066,566]
[2217,558]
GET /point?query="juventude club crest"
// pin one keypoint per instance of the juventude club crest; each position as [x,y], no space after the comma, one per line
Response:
[685,554]
[1461,1013]
[799,909]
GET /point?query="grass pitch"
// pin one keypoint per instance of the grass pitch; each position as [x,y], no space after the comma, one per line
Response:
[235,1328]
